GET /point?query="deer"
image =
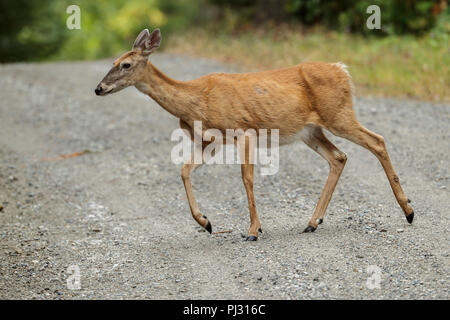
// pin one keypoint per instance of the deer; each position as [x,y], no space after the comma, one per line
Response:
[300,101]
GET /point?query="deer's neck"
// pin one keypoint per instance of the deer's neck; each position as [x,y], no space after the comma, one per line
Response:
[180,98]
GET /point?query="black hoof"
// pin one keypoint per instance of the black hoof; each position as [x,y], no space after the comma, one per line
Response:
[260,230]
[309,229]
[251,238]
[208,226]
[320,221]
[410,218]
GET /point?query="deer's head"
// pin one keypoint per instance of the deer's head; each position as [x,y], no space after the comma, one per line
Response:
[130,67]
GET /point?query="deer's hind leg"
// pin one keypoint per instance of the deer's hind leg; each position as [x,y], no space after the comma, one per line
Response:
[314,138]
[350,129]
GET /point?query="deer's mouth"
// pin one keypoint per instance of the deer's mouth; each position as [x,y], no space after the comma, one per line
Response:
[108,91]
[102,91]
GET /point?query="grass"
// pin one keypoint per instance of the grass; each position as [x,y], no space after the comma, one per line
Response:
[404,67]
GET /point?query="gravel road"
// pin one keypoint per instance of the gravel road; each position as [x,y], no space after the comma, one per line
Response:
[118,214]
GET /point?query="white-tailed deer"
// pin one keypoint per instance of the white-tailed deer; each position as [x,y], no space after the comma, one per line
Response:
[300,101]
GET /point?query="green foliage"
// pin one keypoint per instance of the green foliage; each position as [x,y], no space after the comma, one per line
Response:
[35,30]
[441,31]
[110,26]
[397,16]
[29,29]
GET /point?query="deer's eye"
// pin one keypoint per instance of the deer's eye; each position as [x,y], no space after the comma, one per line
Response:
[126,65]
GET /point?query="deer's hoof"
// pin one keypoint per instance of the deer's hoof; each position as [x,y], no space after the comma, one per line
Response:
[309,229]
[410,217]
[320,221]
[251,238]
[208,226]
[260,230]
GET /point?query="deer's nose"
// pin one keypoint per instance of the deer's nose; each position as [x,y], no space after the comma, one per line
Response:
[98,90]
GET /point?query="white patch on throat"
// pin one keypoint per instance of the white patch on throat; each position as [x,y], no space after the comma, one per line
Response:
[143,87]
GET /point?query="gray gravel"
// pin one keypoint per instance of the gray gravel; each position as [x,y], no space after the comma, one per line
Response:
[119,213]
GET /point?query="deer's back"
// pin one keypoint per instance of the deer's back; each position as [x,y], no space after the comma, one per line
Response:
[285,98]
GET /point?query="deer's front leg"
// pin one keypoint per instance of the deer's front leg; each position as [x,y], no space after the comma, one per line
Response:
[186,176]
[255,224]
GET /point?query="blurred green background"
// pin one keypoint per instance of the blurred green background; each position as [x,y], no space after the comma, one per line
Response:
[255,34]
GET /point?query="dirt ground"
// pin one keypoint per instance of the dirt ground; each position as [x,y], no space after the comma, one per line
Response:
[117,219]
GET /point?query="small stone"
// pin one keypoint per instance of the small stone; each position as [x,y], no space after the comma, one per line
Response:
[400,230]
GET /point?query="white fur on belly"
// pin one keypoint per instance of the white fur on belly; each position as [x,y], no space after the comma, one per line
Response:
[299,136]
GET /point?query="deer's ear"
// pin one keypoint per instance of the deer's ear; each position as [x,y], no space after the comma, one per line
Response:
[153,42]
[146,42]
[139,42]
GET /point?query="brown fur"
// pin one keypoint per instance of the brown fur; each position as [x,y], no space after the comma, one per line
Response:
[300,100]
